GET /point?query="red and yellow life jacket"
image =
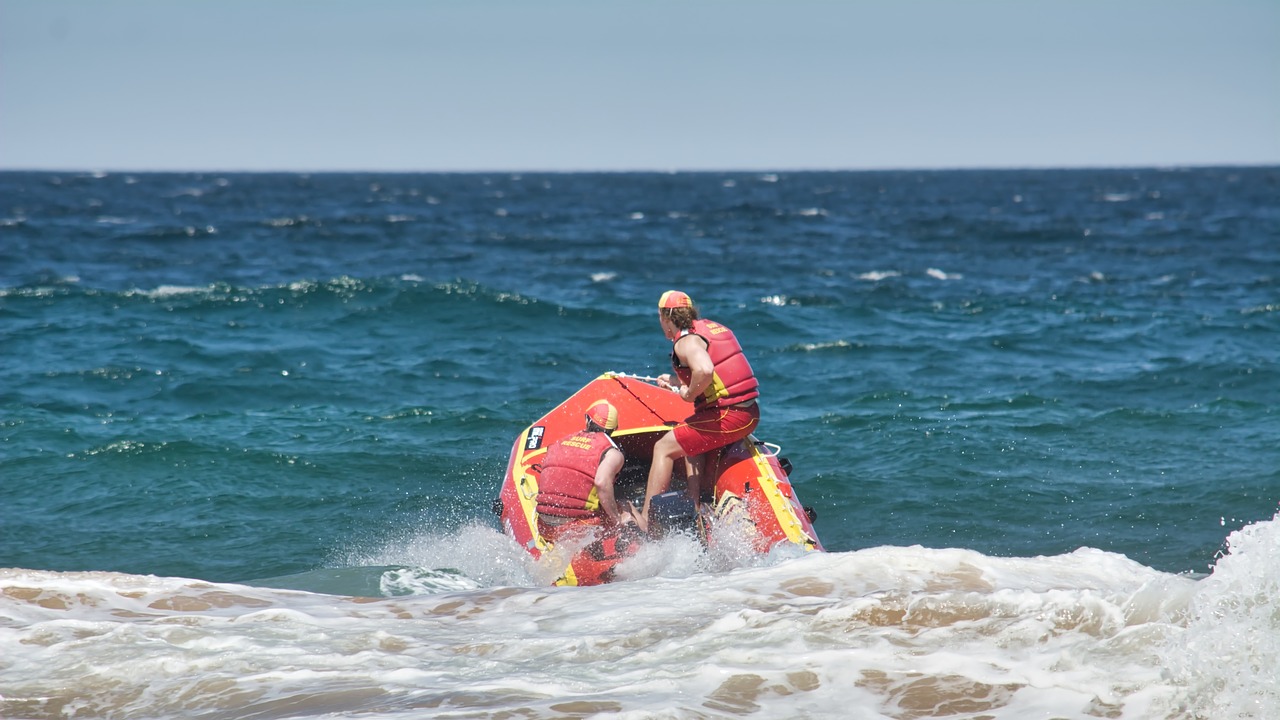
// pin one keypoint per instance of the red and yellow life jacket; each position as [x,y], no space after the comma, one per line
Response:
[567,486]
[732,380]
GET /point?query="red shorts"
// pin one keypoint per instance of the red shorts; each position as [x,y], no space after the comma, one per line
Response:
[713,427]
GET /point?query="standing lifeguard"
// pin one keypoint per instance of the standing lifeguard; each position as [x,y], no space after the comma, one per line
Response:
[712,373]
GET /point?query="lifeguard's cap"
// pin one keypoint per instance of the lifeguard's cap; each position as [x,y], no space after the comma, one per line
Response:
[604,414]
[675,299]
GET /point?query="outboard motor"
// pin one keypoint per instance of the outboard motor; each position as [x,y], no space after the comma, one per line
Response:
[673,512]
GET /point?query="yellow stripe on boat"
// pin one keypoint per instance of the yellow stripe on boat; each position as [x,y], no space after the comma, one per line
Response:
[782,507]
[527,489]
[569,579]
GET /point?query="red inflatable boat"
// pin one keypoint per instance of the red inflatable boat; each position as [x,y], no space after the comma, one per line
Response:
[751,501]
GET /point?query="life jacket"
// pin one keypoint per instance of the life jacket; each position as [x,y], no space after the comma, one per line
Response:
[567,486]
[732,380]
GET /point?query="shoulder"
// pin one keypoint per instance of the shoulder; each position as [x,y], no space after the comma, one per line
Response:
[691,341]
[612,457]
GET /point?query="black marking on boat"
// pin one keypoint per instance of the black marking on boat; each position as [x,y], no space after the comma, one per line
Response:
[534,440]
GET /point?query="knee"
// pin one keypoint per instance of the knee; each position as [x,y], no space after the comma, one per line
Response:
[667,447]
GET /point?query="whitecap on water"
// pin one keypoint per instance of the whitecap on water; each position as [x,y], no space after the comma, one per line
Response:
[878,275]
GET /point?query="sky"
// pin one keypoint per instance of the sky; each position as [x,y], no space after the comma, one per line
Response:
[617,85]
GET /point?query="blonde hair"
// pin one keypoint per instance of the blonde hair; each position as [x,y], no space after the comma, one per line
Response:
[681,317]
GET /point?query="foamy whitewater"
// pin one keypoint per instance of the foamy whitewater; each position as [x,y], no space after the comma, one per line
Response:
[887,632]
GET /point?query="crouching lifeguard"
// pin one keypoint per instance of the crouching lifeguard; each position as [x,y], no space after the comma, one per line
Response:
[576,487]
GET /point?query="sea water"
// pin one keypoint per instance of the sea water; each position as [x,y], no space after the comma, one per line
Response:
[251,427]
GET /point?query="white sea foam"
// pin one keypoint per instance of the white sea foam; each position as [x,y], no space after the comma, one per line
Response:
[1268,308]
[1234,626]
[888,632]
[478,552]
[812,347]
[878,275]
[165,291]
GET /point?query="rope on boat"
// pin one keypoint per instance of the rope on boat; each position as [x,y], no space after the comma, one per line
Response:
[646,378]
[620,376]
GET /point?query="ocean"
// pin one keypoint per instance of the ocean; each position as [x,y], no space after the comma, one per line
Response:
[251,428]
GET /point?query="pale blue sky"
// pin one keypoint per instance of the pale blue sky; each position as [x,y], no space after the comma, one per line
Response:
[617,85]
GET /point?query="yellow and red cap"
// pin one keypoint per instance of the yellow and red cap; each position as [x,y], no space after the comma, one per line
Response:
[674,299]
[604,414]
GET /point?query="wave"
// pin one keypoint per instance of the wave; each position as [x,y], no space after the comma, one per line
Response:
[423,295]
[887,632]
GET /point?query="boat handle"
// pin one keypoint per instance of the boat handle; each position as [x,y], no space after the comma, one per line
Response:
[524,487]
[773,449]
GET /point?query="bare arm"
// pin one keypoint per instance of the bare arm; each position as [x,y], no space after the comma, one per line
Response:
[692,351]
[610,466]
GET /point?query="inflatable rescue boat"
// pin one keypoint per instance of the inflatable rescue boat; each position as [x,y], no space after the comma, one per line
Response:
[747,499]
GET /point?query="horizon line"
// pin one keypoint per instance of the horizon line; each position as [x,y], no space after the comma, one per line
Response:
[89,170]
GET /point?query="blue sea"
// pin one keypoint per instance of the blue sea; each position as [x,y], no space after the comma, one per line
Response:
[251,428]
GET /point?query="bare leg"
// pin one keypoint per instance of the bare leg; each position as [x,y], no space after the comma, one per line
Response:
[694,469]
[665,453]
